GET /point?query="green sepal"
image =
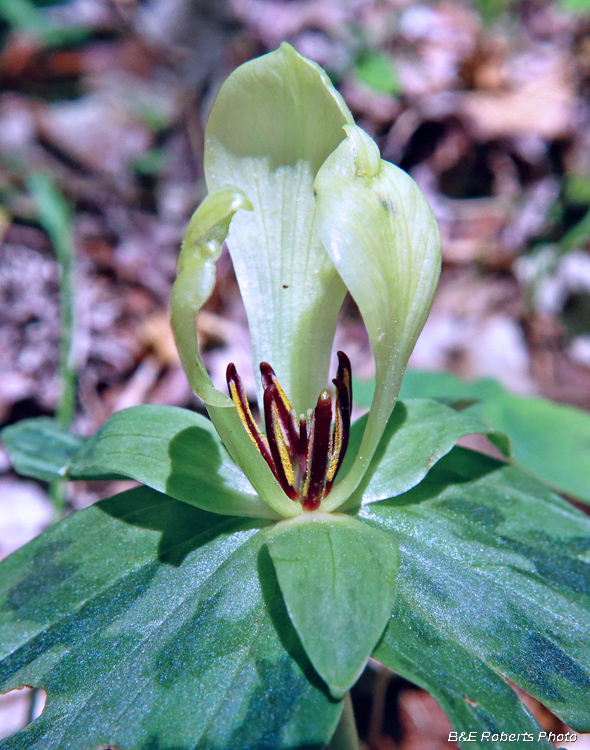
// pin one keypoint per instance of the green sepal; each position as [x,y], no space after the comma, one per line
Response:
[338,580]
[172,450]
[418,434]
[550,440]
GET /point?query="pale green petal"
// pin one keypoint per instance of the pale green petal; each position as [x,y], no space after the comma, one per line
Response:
[382,237]
[273,123]
[195,280]
[194,283]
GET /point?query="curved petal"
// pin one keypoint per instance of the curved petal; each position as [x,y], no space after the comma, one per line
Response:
[194,283]
[274,122]
[195,279]
[381,235]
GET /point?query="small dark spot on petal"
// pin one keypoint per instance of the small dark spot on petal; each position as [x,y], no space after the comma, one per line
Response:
[387,203]
[285,286]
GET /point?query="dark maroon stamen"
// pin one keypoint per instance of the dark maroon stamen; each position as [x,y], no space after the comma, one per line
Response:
[343,409]
[267,373]
[345,374]
[304,454]
[343,383]
[238,395]
[271,410]
[319,452]
[302,445]
[288,425]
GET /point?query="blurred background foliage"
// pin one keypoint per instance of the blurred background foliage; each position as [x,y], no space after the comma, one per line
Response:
[102,110]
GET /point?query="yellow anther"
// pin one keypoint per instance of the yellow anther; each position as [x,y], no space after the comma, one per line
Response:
[282,446]
[336,446]
[282,395]
[246,418]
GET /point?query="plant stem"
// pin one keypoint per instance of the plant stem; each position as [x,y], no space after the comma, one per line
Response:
[57,494]
[55,218]
[345,737]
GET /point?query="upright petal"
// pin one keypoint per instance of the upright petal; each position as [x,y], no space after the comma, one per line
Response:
[274,122]
[381,235]
[194,283]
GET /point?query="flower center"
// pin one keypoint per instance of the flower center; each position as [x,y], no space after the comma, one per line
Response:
[305,452]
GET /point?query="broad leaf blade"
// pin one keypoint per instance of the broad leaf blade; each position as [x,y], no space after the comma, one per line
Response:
[172,450]
[447,387]
[418,434]
[338,580]
[40,448]
[550,440]
[154,624]
[473,696]
[499,565]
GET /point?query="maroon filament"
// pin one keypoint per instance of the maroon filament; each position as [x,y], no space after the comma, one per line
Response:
[304,454]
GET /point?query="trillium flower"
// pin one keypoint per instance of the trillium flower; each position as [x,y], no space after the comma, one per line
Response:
[309,210]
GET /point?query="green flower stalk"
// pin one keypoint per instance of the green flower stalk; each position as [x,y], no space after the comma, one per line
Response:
[309,210]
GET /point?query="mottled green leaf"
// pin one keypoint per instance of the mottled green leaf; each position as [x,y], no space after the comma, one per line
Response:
[338,580]
[474,697]
[175,451]
[152,624]
[40,448]
[497,565]
[418,434]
